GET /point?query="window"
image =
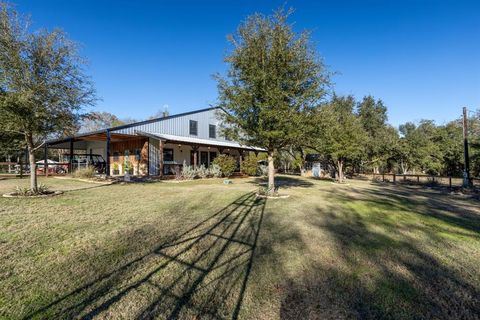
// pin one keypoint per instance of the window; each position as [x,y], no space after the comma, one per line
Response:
[115,156]
[167,154]
[212,131]
[193,127]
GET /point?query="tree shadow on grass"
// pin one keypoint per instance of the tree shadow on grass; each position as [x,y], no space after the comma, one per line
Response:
[285,182]
[202,272]
[377,274]
[430,203]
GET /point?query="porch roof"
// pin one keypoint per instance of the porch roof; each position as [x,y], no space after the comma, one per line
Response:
[192,140]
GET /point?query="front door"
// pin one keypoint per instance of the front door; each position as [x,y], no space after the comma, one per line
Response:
[204,158]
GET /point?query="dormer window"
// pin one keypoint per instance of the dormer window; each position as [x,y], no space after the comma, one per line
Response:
[193,127]
[212,131]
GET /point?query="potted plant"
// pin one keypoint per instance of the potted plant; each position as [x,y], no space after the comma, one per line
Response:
[116,170]
[129,167]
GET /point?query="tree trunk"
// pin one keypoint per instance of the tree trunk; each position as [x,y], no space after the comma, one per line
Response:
[33,165]
[340,171]
[271,173]
[404,167]
[33,171]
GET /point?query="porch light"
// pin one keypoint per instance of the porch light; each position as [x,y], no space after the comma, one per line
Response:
[179,145]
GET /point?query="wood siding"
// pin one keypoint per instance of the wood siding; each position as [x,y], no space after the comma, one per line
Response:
[140,166]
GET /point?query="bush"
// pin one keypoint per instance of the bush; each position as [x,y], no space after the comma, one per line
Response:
[215,171]
[22,191]
[25,191]
[226,163]
[263,170]
[250,165]
[84,173]
[188,172]
[202,172]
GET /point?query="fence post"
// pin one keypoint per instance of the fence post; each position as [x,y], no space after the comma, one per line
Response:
[450,182]
[404,178]
[418,179]
[394,178]
[383,177]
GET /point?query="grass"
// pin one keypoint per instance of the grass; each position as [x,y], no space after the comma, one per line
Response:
[202,249]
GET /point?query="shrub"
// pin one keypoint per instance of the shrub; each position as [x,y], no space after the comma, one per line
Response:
[226,163]
[128,167]
[26,191]
[84,173]
[202,172]
[188,172]
[42,188]
[22,191]
[215,171]
[250,165]
[263,170]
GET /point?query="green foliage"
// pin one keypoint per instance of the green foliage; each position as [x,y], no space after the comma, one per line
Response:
[85,173]
[26,191]
[263,170]
[419,148]
[250,165]
[188,172]
[128,167]
[42,83]
[380,139]
[22,191]
[274,81]
[339,135]
[226,163]
[202,172]
[215,171]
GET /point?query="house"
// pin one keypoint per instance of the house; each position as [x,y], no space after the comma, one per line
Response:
[156,147]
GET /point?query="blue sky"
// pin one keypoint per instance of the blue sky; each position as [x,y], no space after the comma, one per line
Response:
[422,58]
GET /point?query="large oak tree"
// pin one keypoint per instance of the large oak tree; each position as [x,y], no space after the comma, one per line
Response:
[42,83]
[274,80]
[339,134]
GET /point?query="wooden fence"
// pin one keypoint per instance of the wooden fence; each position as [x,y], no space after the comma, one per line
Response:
[451,182]
[15,168]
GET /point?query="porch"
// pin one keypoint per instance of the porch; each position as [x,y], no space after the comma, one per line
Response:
[142,153]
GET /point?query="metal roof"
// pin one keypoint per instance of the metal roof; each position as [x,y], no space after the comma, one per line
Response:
[130,125]
[227,144]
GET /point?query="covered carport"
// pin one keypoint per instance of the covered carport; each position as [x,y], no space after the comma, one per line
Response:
[98,142]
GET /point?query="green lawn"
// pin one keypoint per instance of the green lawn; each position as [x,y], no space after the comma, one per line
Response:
[202,249]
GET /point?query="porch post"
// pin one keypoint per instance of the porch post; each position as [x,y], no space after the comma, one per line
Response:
[195,155]
[241,152]
[148,156]
[160,157]
[220,150]
[45,163]
[107,148]
[70,162]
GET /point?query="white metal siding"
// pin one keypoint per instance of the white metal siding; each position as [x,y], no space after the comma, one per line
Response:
[179,126]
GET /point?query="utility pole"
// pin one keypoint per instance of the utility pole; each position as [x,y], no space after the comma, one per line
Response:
[467,183]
